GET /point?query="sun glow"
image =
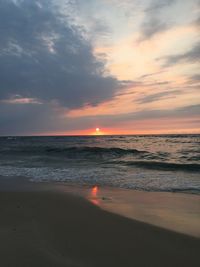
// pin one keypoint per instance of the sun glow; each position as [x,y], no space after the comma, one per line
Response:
[98,131]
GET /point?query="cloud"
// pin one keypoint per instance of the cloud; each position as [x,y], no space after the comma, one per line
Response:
[158,4]
[19,100]
[44,57]
[183,112]
[157,96]
[152,23]
[196,23]
[195,78]
[152,27]
[36,119]
[147,75]
[193,82]
[191,56]
[89,15]
[25,119]
[144,118]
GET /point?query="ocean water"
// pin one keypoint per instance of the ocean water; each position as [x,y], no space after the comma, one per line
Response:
[150,163]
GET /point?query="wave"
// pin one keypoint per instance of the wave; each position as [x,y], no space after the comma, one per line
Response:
[104,155]
[168,166]
[95,150]
[93,153]
[74,150]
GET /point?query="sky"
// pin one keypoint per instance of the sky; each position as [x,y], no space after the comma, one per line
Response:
[126,67]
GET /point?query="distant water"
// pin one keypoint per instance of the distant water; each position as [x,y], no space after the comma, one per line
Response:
[151,163]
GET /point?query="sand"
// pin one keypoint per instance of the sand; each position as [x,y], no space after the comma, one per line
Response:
[178,212]
[45,228]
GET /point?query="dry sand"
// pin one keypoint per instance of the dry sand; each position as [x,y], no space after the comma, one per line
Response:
[59,229]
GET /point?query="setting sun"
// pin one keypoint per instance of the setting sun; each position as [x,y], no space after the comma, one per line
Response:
[98,131]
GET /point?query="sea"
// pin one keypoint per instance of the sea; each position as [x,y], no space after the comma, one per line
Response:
[141,162]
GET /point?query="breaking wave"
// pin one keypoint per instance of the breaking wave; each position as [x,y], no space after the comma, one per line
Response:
[75,150]
[155,165]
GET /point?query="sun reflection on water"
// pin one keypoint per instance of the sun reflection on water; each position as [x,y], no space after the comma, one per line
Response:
[93,195]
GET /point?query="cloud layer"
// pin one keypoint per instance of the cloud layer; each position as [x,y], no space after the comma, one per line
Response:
[42,56]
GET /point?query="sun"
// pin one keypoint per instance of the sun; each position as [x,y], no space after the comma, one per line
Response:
[98,131]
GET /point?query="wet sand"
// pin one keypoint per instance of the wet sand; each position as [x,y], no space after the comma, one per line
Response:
[46,228]
[179,212]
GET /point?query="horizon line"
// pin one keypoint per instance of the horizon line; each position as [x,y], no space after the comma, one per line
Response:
[97,135]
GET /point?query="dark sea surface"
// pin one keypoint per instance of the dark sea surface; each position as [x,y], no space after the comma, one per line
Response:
[150,163]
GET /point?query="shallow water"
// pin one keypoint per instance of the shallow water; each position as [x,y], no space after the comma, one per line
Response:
[150,163]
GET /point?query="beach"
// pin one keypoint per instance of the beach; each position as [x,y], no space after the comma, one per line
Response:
[44,227]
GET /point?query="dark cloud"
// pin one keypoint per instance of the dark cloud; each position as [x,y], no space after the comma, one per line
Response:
[195,78]
[153,24]
[151,27]
[157,83]
[158,4]
[17,119]
[191,56]
[42,56]
[157,96]
[197,22]
[147,75]
[193,83]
